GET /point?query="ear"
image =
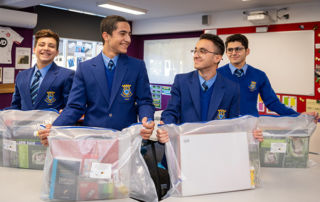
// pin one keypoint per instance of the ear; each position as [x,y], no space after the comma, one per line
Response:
[248,51]
[218,58]
[34,50]
[105,36]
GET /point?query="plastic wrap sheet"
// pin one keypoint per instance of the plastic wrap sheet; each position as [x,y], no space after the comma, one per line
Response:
[286,141]
[224,148]
[85,163]
[21,147]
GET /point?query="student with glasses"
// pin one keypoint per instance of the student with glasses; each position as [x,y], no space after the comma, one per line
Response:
[200,95]
[203,94]
[252,81]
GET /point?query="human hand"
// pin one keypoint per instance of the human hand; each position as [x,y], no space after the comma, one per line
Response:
[257,134]
[314,114]
[146,132]
[162,135]
[43,135]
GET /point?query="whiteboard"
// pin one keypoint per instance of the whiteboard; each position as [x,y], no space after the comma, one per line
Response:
[286,57]
[165,58]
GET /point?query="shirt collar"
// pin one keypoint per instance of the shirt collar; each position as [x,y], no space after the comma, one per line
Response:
[209,83]
[43,71]
[107,59]
[233,68]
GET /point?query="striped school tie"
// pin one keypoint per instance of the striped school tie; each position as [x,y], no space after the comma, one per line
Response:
[238,73]
[205,86]
[110,65]
[35,86]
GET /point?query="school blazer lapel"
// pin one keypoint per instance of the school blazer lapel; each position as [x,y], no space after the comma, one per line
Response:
[99,72]
[194,89]
[46,83]
[25,87]
[120,72]
[216,97]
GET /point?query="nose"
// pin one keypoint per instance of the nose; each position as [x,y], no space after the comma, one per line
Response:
[128,38]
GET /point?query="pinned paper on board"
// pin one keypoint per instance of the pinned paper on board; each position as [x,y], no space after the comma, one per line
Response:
[290,101]
[260,104]
[312,106]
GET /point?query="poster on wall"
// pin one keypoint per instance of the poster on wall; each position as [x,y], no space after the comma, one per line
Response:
[8,75]
[23,56]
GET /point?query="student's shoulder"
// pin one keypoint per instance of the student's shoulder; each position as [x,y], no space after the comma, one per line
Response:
[223,68]
[228,82]
[132,60]
[255,70]
[65,70]
[184,76]
[25,72]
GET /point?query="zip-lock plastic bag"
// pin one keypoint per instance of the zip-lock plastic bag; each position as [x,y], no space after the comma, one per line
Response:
[286,141]
[212,157]
[84,163]
[3,129]
[21,145]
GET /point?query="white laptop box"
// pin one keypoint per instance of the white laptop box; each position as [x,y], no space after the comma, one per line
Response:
[212,163]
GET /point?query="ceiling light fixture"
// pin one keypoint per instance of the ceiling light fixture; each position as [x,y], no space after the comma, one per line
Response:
[122,7]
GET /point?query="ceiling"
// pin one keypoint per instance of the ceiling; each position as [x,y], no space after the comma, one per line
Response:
[156,8]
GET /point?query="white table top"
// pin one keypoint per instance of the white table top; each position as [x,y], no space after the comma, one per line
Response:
[277,184]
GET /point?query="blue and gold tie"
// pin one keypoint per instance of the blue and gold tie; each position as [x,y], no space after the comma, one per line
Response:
[238,72]
[110,65]
[205,86]
[35,86]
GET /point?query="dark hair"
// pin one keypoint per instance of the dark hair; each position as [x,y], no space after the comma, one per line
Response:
[217,41]
[109,24]
[46,33]
[238,37]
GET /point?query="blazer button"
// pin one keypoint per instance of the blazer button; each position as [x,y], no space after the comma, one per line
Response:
[110,115]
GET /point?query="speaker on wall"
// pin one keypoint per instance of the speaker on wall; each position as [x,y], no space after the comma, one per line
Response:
[205,20]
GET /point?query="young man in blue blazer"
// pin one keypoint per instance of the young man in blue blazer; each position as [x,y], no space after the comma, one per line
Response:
[111,89]
[252,81]
[203,94]
[46,85]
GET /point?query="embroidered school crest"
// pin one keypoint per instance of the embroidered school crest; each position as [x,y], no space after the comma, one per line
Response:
[253,86]
[221,114]
[126,91]
[50,99]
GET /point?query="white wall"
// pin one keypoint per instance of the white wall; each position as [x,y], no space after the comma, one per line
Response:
[306,12]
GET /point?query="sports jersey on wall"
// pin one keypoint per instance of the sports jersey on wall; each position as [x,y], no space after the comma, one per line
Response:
[7,37]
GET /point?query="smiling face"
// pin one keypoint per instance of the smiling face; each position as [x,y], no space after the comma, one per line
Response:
[119,41]
[237,53]
[45,50]
[208,59]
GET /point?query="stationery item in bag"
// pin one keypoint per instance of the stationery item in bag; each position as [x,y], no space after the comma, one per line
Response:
[286,141]
[84,163]
[21,146]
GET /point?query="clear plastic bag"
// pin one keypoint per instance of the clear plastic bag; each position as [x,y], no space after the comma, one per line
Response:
[3,128]
[85,163]
[21,146]
[286,141]
[197,167]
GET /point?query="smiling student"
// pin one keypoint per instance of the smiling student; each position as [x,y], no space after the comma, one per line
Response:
[252,81]
[46,85]
[111,89]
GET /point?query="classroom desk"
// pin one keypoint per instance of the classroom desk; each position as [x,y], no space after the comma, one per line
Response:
[278,184]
